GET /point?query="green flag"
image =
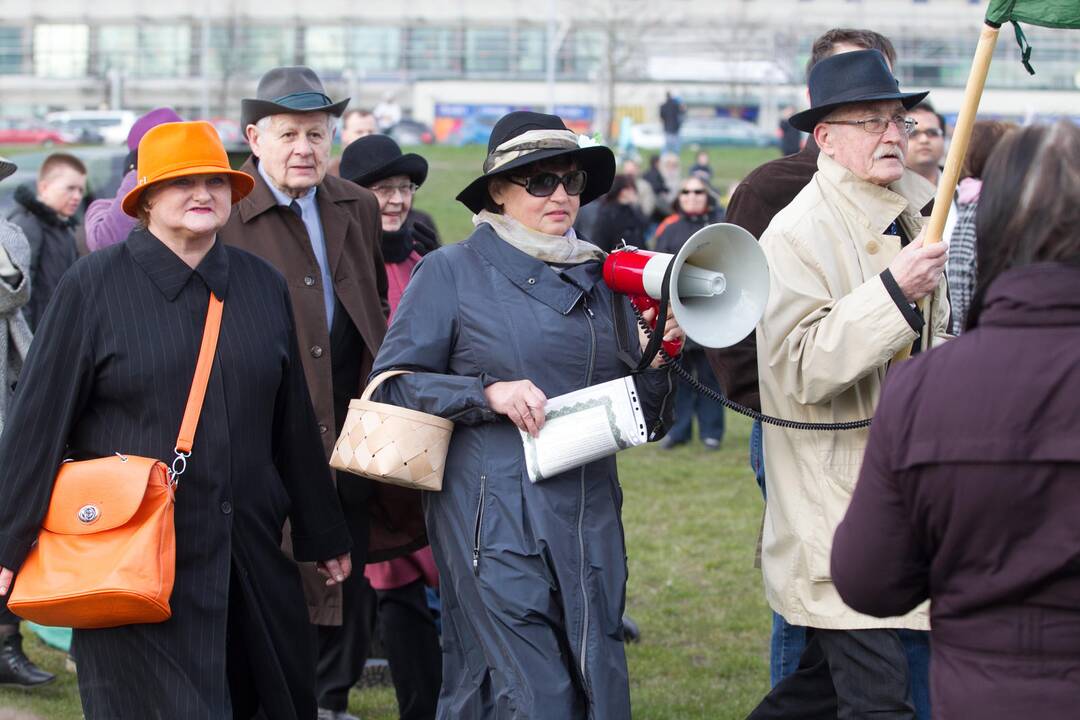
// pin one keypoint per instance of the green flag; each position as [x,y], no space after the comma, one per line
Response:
[1047,13]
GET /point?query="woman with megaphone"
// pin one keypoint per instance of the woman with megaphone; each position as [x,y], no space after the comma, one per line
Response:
[533,575]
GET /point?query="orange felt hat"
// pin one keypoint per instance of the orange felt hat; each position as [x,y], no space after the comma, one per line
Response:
[173,150]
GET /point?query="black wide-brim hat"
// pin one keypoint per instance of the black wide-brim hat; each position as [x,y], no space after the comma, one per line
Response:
[291,89]
[597,161]
[851,77]
[372,158]
[6,167]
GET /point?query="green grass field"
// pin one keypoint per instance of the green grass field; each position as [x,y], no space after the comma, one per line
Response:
[691,519]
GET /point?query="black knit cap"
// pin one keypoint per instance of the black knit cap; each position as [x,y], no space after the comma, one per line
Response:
[597,161]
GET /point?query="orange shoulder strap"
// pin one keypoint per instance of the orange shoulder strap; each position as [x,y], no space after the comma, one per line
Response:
[202,376]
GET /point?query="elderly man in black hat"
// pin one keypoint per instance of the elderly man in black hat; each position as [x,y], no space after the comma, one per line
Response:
[322,234]
[847,265]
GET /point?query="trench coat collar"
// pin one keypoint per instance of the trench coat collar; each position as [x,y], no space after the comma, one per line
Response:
[171,274]
[534,277]
[328,197]
[1033,295]
[877,206]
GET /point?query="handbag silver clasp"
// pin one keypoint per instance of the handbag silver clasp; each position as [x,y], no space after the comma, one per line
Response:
[179,466]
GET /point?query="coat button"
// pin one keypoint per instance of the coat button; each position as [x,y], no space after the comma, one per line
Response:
[872,247]
[316,351]
[531,281]
[309,280]
[226,507]
[322,429]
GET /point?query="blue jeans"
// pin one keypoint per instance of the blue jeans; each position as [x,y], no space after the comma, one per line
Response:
[689,402]
[672,143]
[788,641]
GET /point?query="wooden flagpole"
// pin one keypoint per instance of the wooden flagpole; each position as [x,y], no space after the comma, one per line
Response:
[961,138]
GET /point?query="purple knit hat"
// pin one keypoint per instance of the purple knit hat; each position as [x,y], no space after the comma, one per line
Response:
[151,119]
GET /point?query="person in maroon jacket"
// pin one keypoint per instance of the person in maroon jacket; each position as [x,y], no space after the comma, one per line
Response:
[970,488]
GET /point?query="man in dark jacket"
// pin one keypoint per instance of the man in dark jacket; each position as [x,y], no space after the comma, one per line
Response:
[46,218]
[671,115]
[323,234]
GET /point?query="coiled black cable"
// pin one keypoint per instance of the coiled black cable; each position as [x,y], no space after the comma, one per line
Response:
[742,409]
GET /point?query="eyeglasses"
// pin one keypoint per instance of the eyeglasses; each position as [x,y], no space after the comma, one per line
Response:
[387,191]
[688,191]
[930,133]
[544,184]
[878,125]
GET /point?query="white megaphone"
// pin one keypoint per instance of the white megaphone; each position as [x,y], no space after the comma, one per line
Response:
[717,284]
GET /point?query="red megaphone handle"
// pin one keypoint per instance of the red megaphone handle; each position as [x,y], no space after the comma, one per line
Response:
[643,303]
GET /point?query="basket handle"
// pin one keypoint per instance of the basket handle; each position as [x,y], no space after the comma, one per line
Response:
[378,381]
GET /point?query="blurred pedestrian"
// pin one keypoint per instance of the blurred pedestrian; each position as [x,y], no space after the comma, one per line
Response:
[702,167]
[962,266]
[790,136]
[387,113]
[646,197]
[672,113]
[619,219]
[112,376]
[16,670]
[846,266]
[696,205]
[355,124]
[322,233]
[970,487]
[47,218]
[105,221]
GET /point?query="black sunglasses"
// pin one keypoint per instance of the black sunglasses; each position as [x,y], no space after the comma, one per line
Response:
[688,191]
[544,184]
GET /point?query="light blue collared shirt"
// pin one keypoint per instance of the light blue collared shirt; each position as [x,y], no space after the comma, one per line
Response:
[313,223]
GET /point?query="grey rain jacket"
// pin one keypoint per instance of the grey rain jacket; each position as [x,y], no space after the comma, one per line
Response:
[533,577]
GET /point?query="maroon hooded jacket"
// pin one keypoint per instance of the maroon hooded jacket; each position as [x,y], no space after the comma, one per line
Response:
[970,495]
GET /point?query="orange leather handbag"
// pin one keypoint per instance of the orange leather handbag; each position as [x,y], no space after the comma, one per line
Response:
[106,554]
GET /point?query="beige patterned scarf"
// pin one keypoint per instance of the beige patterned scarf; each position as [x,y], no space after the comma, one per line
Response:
[566,249]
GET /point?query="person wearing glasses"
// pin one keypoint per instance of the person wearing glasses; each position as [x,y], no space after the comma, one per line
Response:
[398,598]
[847,266]
[926,144]
[533,576]
[696,207]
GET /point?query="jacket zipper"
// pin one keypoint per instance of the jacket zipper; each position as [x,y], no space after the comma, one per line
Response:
[479,526]
[589,316]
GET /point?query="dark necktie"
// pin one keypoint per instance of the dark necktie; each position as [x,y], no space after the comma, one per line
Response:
[295,207]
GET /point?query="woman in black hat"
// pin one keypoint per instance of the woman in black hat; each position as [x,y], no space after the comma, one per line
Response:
[410,636]
[533,576]
[377,163]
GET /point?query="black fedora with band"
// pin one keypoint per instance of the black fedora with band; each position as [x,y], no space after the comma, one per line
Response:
[851,77]
[291,89]
[523,137]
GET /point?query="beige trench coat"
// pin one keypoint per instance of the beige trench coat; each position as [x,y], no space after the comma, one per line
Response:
[824,344]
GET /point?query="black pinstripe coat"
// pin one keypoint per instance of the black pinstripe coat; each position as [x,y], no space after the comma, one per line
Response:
[110,371]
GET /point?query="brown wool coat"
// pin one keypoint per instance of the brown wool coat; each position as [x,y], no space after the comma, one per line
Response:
[352,230]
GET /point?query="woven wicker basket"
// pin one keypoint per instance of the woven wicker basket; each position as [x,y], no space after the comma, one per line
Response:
[392,444]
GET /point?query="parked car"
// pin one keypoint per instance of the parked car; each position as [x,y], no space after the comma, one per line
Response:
[80,133]
[112,124]
[647,136]
[22,132]
[724,131]
[104,165]
[411,132]
[474,130]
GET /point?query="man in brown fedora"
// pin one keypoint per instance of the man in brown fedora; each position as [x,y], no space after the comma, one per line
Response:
[323,235]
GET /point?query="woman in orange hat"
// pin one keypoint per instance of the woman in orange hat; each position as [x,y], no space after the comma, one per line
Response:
[109,372]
